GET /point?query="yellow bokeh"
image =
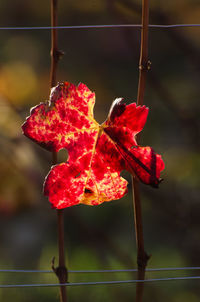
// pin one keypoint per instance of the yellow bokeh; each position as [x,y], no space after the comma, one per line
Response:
[18,82]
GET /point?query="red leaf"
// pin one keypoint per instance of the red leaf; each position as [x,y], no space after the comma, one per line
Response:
[97,153]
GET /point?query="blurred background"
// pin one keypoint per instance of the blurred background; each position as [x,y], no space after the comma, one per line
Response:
[106,60]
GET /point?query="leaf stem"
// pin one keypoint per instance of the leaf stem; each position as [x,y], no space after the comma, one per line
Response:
[144,66]
[61,270]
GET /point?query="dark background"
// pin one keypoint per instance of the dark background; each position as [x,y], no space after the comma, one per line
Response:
[106,60]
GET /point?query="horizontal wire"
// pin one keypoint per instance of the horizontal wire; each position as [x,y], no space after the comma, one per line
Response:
[99,282]
[104,271]
[97,26]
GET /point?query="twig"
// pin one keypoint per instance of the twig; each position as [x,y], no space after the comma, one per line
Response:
[55,53]
[61,270]
[144,66]
[142,257]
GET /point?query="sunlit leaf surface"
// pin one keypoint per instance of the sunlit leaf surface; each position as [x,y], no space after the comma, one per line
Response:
[97,153]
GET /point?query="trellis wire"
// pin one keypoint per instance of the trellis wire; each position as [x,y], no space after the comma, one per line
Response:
[100,282]
[104,271]
[97,26]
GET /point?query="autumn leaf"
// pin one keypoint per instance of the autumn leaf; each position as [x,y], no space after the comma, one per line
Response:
[97,153]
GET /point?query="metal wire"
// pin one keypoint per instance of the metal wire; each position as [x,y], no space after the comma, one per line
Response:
[104,271]
[97,26]
[100,282]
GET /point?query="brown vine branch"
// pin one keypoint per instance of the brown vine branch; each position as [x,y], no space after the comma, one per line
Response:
[144,63]
[144,66]
[56,54]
